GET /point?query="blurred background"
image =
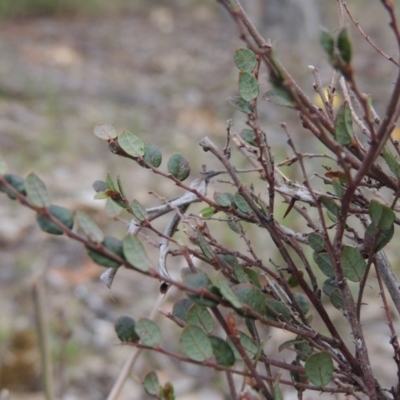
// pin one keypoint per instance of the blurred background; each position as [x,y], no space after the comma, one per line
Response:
[162,70]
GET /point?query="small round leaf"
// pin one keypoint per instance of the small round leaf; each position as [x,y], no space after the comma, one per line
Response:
[89,227]
[125,329]
[178,166]
[112,244]
[240,104]
[149,332]
[61,214]
[151,384]
[248,86]
[105,131]
[37,191]
[245,60]
[17,182]
[196,344]
[251,296]
[319,368]
[135,253]
[201,317]
[222,351]
[131,144]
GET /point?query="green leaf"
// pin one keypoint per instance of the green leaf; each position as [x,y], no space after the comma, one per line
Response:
[330,205]
[112,244]
[279,308]
[201,317]
[391,162]
[337,187]
[181,308]
[148,331]
[303,349]
[205,246]
[17,182]
[112,208]
[280,97]
[324,263]
[200,281]
[178,166]
[344,46]
[327,42]
[120,186]
[377,237]
[62,214]
[89,227]
[248,86]
[235,225]
[353,264]
[242,204]
[330,289]
[344,125]
[105,131]
[131,144]
[253,276]
[125,329]
[250,296]
[248,345]
[110,183]
[135,253]
[382,216]
[196,344]
[152,155]
[99,186]
[316,242]
[101,196]
[222,351]
[240,104]
[302,301]
[208,212]
[245,60]
[223,199]
[226,291]
[248,136]
[319,368]
[151,384]
[36,191]
[139,212]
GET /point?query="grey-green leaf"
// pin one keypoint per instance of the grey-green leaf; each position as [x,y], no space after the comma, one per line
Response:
[245,60]
[327,42]
[316,241]
[319,368]
[222,351]
[178,166]
[148,331]
[344,125]
[324,263]
[248,345]
[223,199]
[135,253]
[125,329]
[250,296]
[201,317]
[139,211]
[382,216]
[151,384]
[280,97]
[181,308]
[242,204]
[89,227]
[36,191]
[105,131]
[131,144]
[353,264]
[63,215]
[196,344]
[226,291]
[248,86]
[240,104]
[344,46]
